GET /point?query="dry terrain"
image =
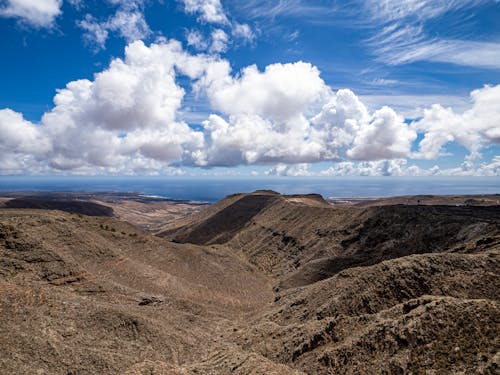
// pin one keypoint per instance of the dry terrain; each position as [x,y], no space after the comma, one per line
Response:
[149,213]
[255,284]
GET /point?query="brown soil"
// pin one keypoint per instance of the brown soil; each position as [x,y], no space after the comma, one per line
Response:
[79,207]
[262,284]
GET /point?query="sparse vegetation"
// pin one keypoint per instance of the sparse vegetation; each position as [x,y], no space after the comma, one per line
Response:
[273,285]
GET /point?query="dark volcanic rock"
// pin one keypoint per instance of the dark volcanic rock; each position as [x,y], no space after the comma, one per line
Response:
[222,226]
[73,206]
[277,285]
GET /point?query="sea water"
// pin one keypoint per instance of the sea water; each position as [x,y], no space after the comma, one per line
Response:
[213,189]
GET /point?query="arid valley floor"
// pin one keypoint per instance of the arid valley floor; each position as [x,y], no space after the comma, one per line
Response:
[257,283]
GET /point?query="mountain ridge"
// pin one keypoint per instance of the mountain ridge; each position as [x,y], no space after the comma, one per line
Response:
[275,284]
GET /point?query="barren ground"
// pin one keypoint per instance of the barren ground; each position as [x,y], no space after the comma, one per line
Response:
[255,284]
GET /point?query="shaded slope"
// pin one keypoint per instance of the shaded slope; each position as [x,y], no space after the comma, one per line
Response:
[390,232]
[281,285]
[225,223]
[304,243]
[73,206]
[92,295]
[402,315]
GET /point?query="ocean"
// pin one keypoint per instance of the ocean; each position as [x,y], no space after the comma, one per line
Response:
[213,189]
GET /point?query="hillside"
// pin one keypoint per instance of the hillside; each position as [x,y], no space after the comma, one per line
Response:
[89,295]
[303,243]
[255,284]
[150,213]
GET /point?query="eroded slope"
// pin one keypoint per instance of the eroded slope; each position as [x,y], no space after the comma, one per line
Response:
[264,284]
[90,295]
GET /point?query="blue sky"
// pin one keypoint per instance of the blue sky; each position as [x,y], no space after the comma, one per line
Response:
[356,87]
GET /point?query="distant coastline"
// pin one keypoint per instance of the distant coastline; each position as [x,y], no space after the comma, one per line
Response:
[209,190]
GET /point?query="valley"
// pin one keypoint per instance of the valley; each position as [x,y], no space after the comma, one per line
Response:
[257,283]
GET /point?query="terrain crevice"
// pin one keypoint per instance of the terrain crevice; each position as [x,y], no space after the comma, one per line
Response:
[257,283]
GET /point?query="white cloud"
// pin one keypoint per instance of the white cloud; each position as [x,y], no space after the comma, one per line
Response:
[131,25]
[96,33]
[220,41]
[391,10]
[21,135]
[459,52]
[267,116]
[125,118]
[243,31]
[296,170]
[490,169]
[412,106]
[127,22]
[38,13]
[21,143]
[210,11]
[340,119]
[195,39]
[287,114]
[467,168]
[128,119]
[401,33]
[250,139]
[281,92]
[474,128]
[396,167]
[385,137]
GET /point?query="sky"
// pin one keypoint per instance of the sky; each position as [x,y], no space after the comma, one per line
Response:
[250,87]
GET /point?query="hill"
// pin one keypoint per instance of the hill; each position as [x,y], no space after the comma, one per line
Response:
[302,242]
[257,283]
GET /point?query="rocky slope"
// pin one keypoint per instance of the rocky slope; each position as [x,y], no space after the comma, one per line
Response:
[303,243]
[87,295]
[255,284]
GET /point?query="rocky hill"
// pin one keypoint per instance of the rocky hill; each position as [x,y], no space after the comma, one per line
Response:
[255,284]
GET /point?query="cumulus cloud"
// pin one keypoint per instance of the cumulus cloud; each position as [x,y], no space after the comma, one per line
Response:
[131,25]
[250,139]
[396,167]
[210,11]
[474,128]
[379,168]
[21,135]
[244,32]
[127,22]
[195,39]
[296,170]
[266,116]
[386,136]
[124,118]
[21,143]
[282,92]
[287,114]
[127,120]
[217,42]
[96,34]
[340,119]
[490,169]
[39,13]
[220,41]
